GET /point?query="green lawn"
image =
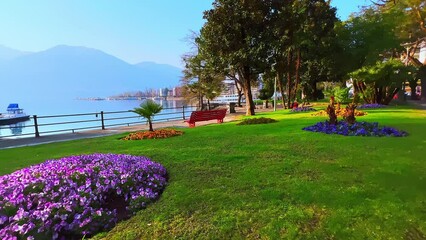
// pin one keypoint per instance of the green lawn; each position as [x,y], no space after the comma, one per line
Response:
[273,181]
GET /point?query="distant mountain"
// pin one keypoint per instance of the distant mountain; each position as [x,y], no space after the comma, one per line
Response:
[155,72]
[67,71]
[7,54]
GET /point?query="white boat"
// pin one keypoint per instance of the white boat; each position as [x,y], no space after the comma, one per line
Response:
[227,99]
[14,115]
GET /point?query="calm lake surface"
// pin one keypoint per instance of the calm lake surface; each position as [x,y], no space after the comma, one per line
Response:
[70,107]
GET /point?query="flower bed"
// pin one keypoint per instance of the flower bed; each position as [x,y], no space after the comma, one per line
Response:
[302,109]
[356,129]
[372,105]
[261,120]
[339,113]
[162,133]
[77,195]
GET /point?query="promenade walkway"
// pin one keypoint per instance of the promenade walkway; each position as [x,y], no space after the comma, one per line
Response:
[31,141]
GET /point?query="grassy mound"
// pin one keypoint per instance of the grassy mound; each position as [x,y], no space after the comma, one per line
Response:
[262,120]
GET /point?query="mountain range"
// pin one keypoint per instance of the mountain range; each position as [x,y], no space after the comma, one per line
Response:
[72,72]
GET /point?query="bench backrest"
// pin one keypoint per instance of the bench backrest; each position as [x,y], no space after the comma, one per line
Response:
[207,115]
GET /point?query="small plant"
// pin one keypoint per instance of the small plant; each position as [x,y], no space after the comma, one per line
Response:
[261,120]
[350,113]
[162,133]
[331,114]
[147,110]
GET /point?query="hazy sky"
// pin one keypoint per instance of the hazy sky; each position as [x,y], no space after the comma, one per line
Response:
[133,30]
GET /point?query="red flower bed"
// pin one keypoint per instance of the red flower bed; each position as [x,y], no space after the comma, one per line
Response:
[162,133]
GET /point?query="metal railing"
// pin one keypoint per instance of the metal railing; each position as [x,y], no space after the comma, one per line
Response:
[44,125]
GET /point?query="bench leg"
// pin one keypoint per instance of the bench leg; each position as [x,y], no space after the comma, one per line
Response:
[220,120]
[191,125]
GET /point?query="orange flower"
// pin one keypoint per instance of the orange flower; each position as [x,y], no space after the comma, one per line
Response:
[161,133]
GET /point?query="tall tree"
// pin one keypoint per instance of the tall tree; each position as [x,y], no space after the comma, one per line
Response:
[200,81]
[410,24]
[232,38]
[300,32]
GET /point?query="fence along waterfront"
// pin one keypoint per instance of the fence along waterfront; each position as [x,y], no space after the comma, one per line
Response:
[70,123]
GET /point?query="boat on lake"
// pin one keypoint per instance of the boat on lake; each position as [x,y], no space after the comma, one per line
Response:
[14,115]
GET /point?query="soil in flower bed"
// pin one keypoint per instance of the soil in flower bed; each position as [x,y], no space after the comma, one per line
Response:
[76,196]
[161,133]
[302,109]
[356,129]
[339,113]
[261,120]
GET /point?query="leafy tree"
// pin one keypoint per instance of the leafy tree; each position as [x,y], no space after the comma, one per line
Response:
[200,80]
[410,25]
[301,32]
[267,91]
[147,110]
[233,39]
[380,82]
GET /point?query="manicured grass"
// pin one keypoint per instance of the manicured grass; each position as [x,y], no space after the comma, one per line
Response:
[273,181]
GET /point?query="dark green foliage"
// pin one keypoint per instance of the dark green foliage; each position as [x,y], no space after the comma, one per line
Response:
[380,82]
[262,120]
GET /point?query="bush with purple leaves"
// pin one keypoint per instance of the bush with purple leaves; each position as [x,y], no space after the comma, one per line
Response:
[76,196]
[356,129]
[371,105]
[302,109]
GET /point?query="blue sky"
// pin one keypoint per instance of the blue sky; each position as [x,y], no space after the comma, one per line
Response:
[133,30]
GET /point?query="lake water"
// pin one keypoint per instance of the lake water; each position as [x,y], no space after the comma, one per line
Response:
[70,107]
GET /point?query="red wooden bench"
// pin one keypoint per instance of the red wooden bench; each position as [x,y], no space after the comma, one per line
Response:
[198,116]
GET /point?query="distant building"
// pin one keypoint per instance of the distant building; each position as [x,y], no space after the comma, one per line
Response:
[177,92]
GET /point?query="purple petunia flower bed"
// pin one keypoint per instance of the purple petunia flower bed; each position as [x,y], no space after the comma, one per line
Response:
[356,129]
[371,105]
[77,195]
[302,109]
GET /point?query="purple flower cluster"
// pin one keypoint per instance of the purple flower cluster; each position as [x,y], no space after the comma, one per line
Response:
[302,109]
[356,129]
[77,195]
[371,105]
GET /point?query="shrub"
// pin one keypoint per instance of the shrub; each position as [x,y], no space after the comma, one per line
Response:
[162,133]
[77,195]
[261,120]
[302,109]
[356,129]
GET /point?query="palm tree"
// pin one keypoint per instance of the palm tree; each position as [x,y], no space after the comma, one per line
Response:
[147,110]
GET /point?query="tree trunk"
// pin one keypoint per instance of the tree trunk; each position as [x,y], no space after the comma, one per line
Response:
[239,91]
[413,85]
[297,75]
[281,89]
[289,57]
[150,125]
[247,92]
[389,98]
[422,76]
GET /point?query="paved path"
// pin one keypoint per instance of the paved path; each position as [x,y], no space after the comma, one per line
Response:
[30,141]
